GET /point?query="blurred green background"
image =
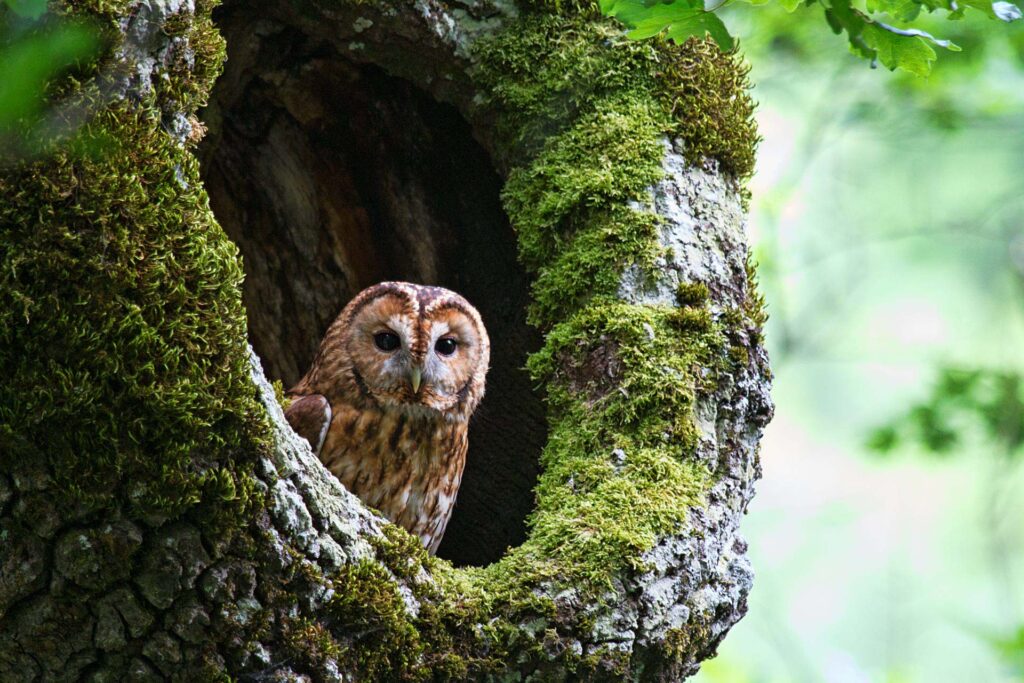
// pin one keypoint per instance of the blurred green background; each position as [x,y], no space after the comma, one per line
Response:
[887,534]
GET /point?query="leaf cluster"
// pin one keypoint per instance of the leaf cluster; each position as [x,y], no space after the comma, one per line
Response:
[36,48]
[884,32]
[963,400]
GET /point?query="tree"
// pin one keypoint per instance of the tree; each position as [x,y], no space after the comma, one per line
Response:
[159,517]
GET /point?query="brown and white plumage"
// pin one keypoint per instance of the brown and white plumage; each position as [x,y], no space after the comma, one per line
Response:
[387,401]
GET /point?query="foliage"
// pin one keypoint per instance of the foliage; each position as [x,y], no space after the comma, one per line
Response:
[35,47]
[962,400]
[1011,651]
[883,31]
[989,403]
[679,20]
[986,403]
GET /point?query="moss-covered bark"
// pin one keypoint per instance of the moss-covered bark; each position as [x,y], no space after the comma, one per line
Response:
[158,517]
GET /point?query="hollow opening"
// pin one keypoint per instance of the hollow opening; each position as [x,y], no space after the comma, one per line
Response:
[332,176]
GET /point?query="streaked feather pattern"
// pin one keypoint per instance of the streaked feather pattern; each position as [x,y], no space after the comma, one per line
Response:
[401,451]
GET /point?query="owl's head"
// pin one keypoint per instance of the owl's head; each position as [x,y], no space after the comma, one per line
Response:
[411,347]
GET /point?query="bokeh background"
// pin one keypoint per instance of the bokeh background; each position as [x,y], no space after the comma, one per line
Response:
[887,534]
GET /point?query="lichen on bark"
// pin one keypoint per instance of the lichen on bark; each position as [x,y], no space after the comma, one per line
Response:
[160,519]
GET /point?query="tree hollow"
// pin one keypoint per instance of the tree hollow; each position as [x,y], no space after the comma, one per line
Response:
[331,176]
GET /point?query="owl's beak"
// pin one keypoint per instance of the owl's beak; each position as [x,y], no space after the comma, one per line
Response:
[416,376]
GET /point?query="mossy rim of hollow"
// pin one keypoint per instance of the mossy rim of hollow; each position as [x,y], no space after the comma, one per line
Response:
[583,119]
[118,285]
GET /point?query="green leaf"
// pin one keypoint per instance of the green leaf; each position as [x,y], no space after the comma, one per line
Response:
[964,402]
[884,439]
[909,49]
[27,64]
[1004,11]
[842,17]
[680,20]
[908,52]
[900,10]
[633,12]
[790,5]
[700,23]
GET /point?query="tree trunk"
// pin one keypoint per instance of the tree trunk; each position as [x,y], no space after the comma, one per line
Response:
[158,517]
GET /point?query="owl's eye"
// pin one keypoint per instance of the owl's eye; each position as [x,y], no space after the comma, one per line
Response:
[445,346]
[386,341]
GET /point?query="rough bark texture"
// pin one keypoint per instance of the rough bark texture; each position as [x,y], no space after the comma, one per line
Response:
[160,520]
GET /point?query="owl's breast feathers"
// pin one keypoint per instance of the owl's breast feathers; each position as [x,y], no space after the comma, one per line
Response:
[407,464]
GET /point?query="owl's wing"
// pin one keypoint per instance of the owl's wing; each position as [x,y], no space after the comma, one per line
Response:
[310,416]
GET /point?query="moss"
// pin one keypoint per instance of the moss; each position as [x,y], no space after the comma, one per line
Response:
[365,628]
[552,66]
[279,394]
[545,70]
[587,517]
[678,643]
[606,158]
[367,610]
[692,293]
[754,305]
[593,260]
[706,91]
[196,56]
[121,321]
[582,115]
[569,206]
[122,331]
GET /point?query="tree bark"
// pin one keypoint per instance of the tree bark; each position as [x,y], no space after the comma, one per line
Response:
[159,518]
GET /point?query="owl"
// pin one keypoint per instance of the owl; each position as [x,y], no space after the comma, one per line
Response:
[387,401]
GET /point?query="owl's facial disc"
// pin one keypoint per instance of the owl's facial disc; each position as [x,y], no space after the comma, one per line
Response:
[418,349]
[394,359]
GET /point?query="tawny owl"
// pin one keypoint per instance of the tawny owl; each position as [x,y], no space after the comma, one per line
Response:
[387,401]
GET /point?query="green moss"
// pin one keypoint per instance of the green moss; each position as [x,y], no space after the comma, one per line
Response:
[552,66]
[122,331]
[364,628]
[279,394]
[545,70]
[754,305]
[678,642]
[692,293]
[606,158]
[592,261]
[121,322]
[367,610]
[706,91]
[312,642]
[587,516]
[195,60]
[583,114]
[570,205]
